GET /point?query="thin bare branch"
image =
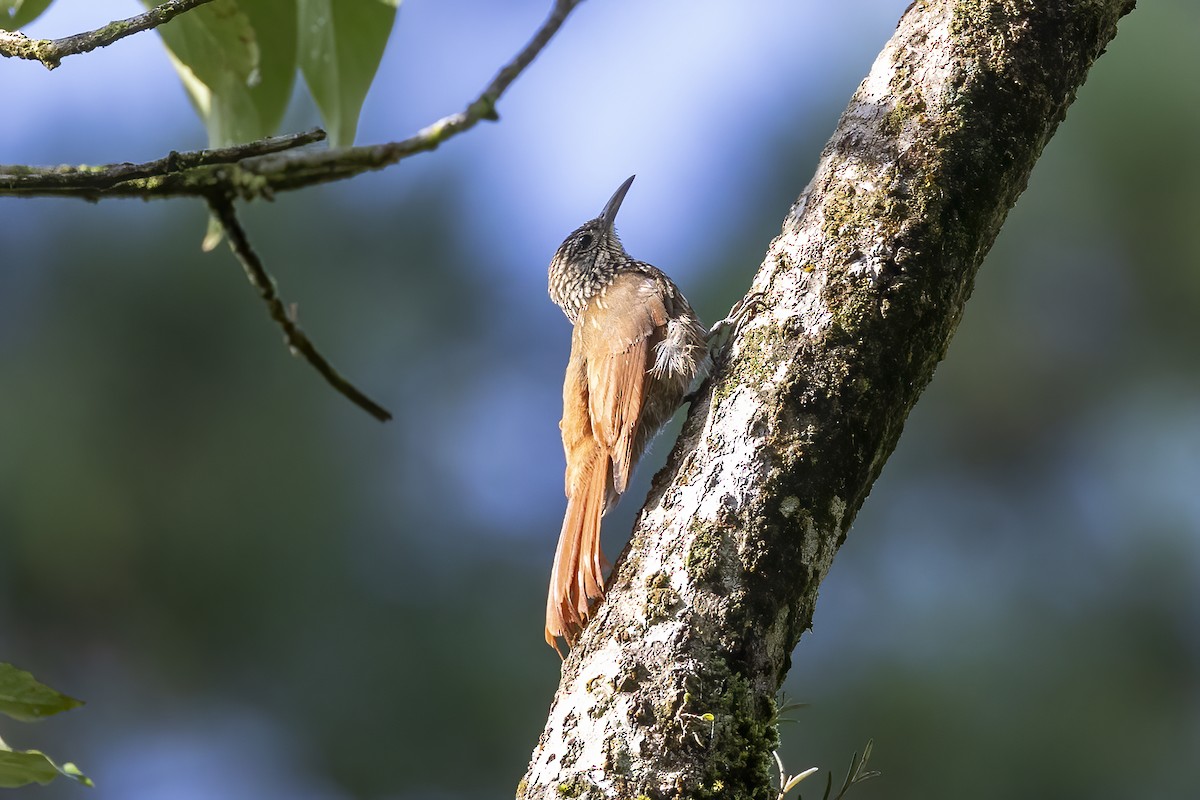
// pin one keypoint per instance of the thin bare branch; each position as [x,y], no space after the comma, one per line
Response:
[93,182]
[261,175]
[299,170]
[300,344]
[51,52]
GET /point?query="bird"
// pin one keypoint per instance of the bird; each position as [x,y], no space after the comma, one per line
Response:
[636,348]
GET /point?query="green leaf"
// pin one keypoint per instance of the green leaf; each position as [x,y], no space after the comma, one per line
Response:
[274,23]
[20,768]
[237,60]
[16,14]
[22,697]
[341,45]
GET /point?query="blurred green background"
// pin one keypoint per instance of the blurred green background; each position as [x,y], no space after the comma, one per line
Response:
[261,592]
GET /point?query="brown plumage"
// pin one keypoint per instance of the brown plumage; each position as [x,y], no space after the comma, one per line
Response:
[635,349]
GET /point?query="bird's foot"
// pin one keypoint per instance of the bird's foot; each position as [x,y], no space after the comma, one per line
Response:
[738,315]
[741,310]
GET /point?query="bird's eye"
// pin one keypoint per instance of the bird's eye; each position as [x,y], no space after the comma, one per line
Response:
[586,241]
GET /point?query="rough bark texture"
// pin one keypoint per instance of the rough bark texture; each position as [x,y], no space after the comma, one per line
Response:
[670,692]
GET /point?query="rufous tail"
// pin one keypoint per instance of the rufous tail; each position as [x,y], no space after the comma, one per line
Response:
[578,578]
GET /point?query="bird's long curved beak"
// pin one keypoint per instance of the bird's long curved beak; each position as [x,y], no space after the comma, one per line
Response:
[609,214]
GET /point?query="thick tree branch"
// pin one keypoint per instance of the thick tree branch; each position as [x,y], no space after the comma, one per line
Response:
[864,287]
[51,52]
[300,344]
[263,175]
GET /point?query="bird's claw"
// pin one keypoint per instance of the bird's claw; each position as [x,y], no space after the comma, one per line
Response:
[738,314]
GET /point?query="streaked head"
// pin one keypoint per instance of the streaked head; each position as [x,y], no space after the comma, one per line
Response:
[588,259]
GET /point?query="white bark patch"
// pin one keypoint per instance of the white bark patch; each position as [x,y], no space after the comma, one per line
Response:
[810,542]
[789,506]
[800,290]
[837,509]
[580,737]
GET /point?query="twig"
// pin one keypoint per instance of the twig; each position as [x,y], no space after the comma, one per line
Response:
[222,208]
[93,181]
[262,175]
[51,52]
[285,173]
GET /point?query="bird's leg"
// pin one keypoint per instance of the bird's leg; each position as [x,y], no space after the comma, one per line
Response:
[737,315]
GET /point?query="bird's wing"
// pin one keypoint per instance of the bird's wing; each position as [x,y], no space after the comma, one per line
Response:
[619,328]
[576,425]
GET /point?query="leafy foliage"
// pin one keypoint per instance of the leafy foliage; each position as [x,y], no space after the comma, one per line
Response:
[238,60]
[857,773]
[15,14]
[237,74]
[341,45]
[23,767]
[23,698]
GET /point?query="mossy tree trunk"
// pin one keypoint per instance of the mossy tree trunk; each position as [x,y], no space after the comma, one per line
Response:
[670,692]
